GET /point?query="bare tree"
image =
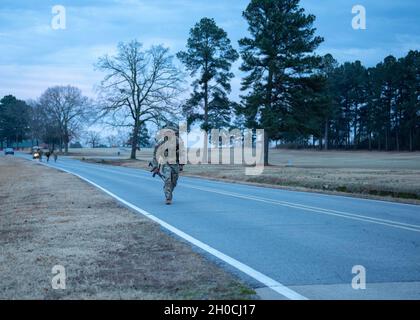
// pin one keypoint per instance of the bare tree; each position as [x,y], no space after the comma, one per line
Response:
[139,86]
[68,108]
[93,138]
[122,138]
[43,126]
[112,141]
[37,122]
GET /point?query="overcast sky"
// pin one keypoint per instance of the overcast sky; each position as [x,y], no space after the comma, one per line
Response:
[34,56]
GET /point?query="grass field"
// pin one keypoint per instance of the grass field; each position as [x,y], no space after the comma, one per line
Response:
[371,174]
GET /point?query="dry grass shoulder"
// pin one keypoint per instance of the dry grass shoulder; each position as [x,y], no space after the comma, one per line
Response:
[50,218]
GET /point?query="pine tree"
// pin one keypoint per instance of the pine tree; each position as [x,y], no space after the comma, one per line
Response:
[410,74]
[277,57]
[387,72]
[328,66]
[209,58]
[14,120]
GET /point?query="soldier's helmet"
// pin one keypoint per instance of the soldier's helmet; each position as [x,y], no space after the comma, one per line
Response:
[168,130]
[172,126]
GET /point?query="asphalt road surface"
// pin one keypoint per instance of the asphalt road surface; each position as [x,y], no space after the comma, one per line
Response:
[291,245]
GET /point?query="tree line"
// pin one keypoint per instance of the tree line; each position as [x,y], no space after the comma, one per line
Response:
[371,108]
[55,118]
[299,97]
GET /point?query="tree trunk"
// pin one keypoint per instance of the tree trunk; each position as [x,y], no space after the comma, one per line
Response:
[206,105]
[326,135]
[388,128]
[269,106]
[411,139]
[66,143]
[134,142]
[206,123]
[355,138]
[266,148]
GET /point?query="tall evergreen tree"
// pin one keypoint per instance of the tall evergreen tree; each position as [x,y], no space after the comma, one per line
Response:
[328,66]
[14,120]
[410,91]
[379,106]
[209,58]
[277,57]
[387,72]
[143,139]
[350,91]
[368,112]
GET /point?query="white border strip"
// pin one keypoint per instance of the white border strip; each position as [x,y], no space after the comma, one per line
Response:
[267,281]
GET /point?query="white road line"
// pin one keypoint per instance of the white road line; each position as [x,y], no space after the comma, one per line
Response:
[389,223]
[342,214]
[283,190]
[267,281]
[352,216]
[313,192]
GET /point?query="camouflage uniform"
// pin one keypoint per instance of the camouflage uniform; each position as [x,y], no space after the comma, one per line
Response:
[170,174]
[169,170]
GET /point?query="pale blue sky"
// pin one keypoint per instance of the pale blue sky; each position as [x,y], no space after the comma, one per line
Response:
[33,56]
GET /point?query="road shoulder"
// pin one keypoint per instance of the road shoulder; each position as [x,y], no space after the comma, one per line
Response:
[52,218]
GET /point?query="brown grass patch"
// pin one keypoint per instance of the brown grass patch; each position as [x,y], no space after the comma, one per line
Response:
[50,218]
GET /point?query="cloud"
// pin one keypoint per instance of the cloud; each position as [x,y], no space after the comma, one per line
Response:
[34,56]
[352,54]
[29,82]
[407,42]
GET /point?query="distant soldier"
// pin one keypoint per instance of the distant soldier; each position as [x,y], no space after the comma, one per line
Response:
[48,154]
[167,160]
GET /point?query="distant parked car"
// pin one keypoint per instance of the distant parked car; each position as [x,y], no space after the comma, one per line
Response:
[9,151]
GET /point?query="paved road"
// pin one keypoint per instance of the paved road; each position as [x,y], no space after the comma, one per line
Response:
[305,241]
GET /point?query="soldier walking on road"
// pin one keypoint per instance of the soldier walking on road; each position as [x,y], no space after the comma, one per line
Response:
[168,160]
